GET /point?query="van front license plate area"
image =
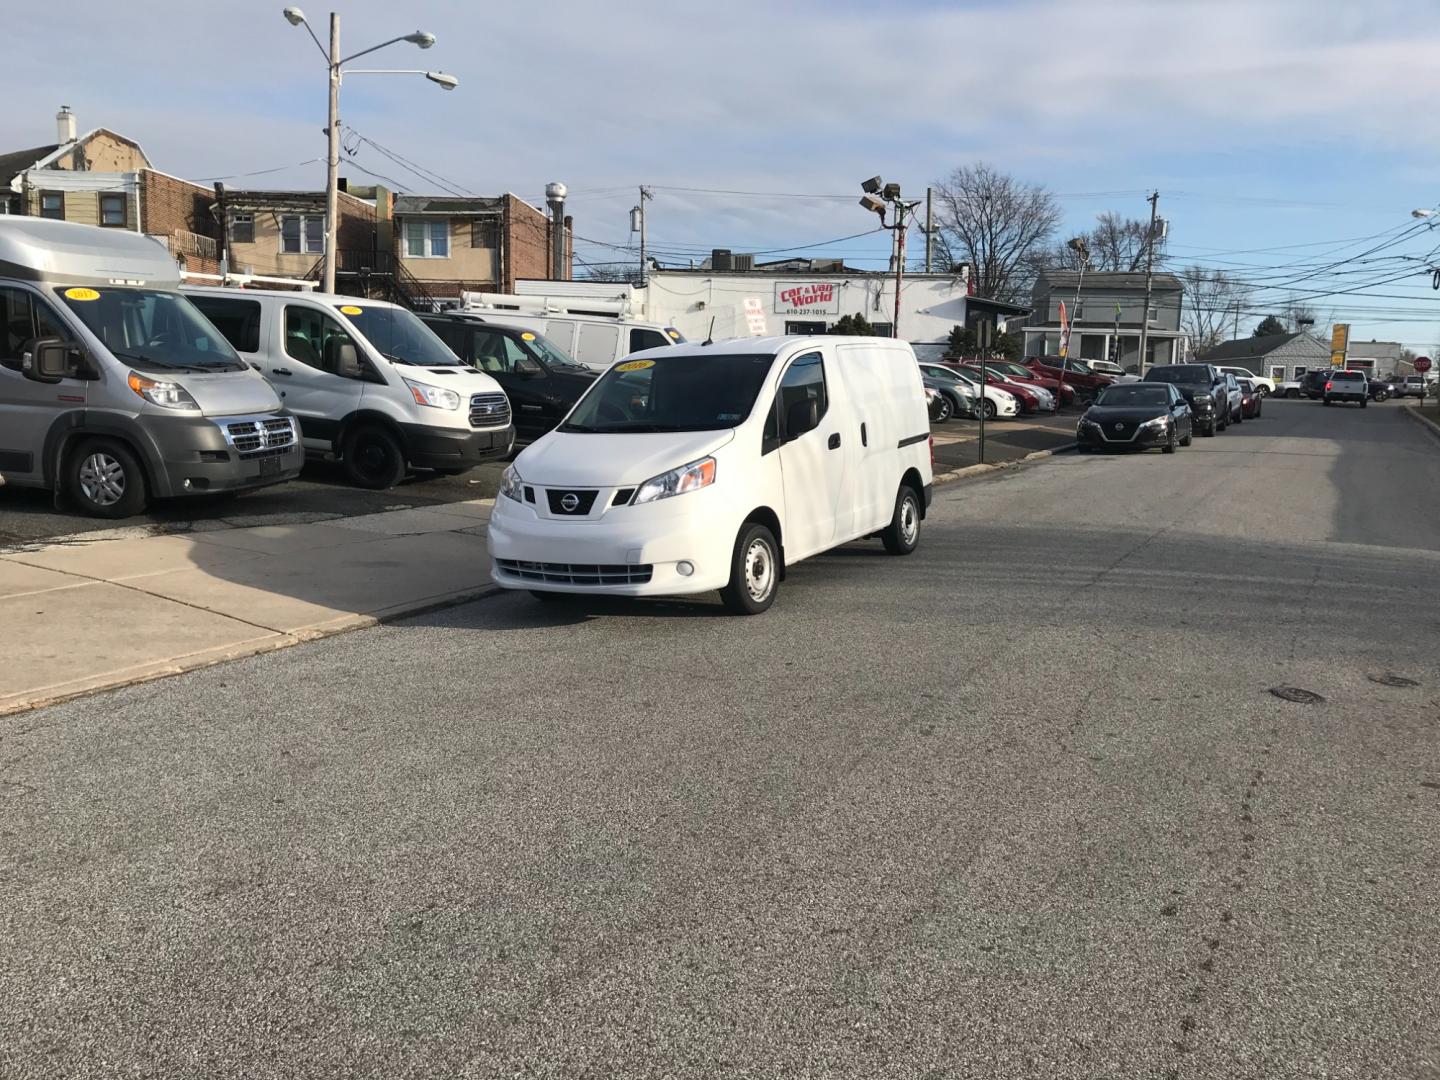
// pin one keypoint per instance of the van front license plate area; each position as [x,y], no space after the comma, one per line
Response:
[270,466]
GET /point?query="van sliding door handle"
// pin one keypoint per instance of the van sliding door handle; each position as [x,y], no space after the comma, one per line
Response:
[835,441]
[864,439]
[280,371]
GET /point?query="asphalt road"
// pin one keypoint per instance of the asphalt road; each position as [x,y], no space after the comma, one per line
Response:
[1021,805]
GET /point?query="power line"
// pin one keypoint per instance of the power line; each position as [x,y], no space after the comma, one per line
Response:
[258,172]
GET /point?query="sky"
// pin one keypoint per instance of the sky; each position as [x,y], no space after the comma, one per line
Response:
[1289,141]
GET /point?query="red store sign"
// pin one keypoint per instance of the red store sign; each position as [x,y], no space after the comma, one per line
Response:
[807,298]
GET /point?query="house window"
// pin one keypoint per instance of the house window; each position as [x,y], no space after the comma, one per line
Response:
[242,228]
[302,234]
[52,205]
[114,210]
[427,239]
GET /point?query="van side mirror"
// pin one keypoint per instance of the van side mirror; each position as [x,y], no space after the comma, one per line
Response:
[344,359]
[48,361]
[802,416]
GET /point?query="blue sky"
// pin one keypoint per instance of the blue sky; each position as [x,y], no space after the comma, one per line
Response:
[1266,124]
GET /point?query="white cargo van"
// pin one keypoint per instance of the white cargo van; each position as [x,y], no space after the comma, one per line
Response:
[113,388]
[371,385]
[716,466]
[580,328]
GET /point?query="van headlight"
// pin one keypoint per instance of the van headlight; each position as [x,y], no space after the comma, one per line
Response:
[433,396]
[692,477]
[168,395]
[511,485]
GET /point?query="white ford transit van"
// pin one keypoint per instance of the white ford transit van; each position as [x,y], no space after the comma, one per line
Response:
[716,466]
[371,385]
[595,338]
[113,388]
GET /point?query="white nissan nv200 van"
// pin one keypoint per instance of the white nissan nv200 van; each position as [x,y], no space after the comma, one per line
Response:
[369,382]
[716,466]
[113,388]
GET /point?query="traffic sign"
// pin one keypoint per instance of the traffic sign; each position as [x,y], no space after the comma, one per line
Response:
[1422,364]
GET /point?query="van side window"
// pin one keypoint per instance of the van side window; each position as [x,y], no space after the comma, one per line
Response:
[646,339]
[596,344]
[804,379]
[24,319]
[498,353]
[311,337]
[237,320]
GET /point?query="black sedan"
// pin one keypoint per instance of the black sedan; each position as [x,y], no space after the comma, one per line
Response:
[1136,416]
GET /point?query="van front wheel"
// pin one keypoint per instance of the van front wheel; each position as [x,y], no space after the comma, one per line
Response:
[373,457]
[754,571]
[902,535]
[105,478]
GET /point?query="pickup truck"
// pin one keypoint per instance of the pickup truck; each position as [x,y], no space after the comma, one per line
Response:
[1346,386]
[1263,386]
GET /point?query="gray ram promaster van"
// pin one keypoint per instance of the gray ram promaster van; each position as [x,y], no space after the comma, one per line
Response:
[113,388]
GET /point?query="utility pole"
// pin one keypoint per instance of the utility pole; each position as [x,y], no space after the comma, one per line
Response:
[1149,281]
[1237,320]
[645,197]
[332,160]
[899,263]
[929,225]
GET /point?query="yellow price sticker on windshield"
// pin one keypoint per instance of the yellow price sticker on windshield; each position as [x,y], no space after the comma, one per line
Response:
[81,294]
[635,365]
[351,309]
[527,336]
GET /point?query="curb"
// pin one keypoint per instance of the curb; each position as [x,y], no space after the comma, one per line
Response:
[990,467]
[164,669]
[1413,411]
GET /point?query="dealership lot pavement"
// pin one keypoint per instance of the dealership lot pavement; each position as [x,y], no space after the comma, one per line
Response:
[1020,805]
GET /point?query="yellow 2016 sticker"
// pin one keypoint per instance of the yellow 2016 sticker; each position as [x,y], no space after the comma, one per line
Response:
[527,336]
[350,309]
[81,294]
[635,365]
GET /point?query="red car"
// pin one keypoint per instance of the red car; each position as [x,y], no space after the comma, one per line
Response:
[1020,373]
[1077,373]
[1028,400]
[1250,399]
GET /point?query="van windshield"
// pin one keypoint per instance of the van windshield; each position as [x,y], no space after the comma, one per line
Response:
[399,336]
[681,393]
[151,330]
[551,354]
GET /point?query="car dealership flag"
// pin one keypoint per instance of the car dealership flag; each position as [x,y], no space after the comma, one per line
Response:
[1064,331]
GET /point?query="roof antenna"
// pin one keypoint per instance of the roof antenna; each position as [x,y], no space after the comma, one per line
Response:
[710,337]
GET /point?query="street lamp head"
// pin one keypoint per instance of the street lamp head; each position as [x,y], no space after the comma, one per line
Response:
[421,38]
[892,191]
[871,186]
[440,79]
[874,205]
[1422,213]
[294,16]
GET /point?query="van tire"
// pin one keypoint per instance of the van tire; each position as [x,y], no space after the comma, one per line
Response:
[105,479]
[902,535]
[373,458]
[754,571]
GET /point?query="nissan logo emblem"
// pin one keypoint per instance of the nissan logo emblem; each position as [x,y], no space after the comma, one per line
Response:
[570,503]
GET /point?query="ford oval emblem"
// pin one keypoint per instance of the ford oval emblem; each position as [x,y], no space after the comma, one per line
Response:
[570,503]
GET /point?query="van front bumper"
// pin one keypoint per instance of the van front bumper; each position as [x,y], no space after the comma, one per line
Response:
[196,458]
[429,447]
[639,557]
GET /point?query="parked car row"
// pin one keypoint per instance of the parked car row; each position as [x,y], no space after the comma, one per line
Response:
[1167,408]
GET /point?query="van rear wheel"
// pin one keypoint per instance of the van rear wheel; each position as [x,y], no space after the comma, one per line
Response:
[104,477]
[754,571]
[902,535]
[373,458]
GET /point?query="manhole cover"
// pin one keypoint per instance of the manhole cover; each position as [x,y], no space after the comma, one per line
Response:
[1392,680]
[1295,694]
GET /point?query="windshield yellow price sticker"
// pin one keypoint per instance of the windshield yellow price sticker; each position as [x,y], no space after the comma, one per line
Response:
[81,294]
[635,365]
[527,336]
[350,309]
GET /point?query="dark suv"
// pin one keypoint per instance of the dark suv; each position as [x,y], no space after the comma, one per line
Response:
[1312,383]
[1205,389]
[541,382]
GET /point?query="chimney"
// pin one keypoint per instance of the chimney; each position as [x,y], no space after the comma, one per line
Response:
[65,125]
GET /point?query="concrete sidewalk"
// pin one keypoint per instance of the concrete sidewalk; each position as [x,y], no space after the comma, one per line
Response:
[105,609]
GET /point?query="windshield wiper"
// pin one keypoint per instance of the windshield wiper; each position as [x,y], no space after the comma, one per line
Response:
[582,428]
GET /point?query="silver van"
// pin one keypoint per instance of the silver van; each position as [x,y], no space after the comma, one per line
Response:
[371,385]
[113,388]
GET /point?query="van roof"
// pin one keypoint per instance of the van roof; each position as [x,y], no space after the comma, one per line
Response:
[774,345]
[289,294]
[67,253]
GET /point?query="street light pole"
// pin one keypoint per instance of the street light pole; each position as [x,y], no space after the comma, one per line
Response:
[1149,281]
[332,158]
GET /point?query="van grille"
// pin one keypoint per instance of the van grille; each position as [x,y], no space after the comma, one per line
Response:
[489,410]
[577,573]
[258,436]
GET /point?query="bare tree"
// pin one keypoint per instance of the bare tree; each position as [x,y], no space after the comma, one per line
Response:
[1213,301]
[1116,243]
[997,224]
[1298,315]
